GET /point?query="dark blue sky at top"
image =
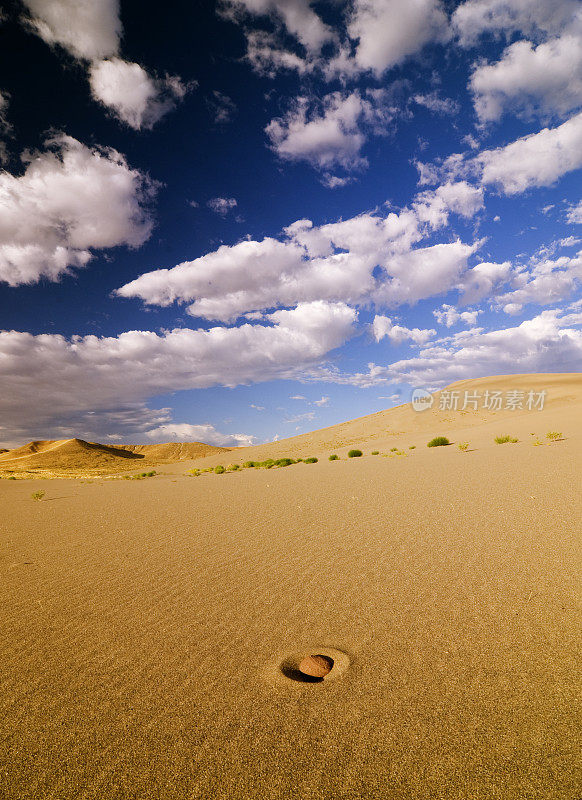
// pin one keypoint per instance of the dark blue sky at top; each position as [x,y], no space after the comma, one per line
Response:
[195,159]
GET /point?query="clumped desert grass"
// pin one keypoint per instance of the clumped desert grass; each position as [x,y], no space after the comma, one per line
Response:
[393,449]
[284,462]
[37,495]
[311,460]
[463,446]
[537,443]
[193,472]
[438,441]
[505,439]
[412,447]
[375,452]
[249,464]
[140,476]
[334,457]
[233,467]
[553,436]
[354,453]
[219,469]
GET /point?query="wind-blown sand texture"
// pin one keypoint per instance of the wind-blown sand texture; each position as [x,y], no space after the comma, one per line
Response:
[144,623]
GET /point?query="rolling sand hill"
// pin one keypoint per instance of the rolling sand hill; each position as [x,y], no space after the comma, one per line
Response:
[174,451]
[78,456]
[152,630]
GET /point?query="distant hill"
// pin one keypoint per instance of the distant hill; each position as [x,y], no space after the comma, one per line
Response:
[173,451]
[77,454]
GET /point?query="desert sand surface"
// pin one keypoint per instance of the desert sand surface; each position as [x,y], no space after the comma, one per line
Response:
[145,624]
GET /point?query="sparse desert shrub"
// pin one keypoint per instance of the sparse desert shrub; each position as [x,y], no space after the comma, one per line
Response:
[537,443]
[375,452]
[37,495]
[139,476]
[412,447]
[11,478]
[505,439]
[463,446]
[553,436]
[219,469]
[284,462]
[311,460]
[233,467]
[249,464]
[193,472]
[393,449]
[334,457]
[354,453]
[438,441]
[298,460]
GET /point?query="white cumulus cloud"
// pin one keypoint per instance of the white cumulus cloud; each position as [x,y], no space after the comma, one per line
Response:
[473,18]
[383,326]
[88,30]
[527,79]
[296,16]
[222,205]
[449,316]
[335,262]
[70,200]
[388,31]
[109,378]
[325,134]
[550,342]
[184,432]
[574,214]
[91,32]
[134,96]
[539,159]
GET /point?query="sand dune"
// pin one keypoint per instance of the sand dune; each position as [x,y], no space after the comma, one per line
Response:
[402,426]
[152,630]
[174,451]
[76,455]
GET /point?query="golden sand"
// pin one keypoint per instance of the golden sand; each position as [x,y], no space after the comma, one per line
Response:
[144,624]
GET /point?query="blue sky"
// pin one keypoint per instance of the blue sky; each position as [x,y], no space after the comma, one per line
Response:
[237,222]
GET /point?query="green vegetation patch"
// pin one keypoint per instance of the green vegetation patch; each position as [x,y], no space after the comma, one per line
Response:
[355,453]
[505,439]
[438,441]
